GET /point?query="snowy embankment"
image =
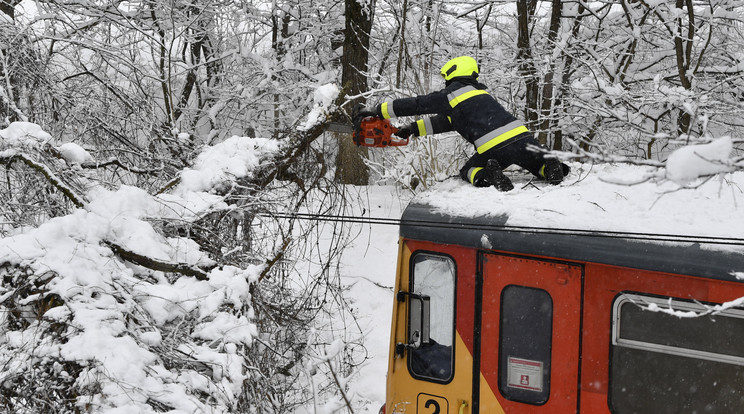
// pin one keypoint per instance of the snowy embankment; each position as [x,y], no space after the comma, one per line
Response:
[368,268]
[76,311]
[123,338]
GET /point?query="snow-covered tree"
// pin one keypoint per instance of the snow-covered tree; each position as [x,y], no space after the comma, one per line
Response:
[178,240]
[204,296]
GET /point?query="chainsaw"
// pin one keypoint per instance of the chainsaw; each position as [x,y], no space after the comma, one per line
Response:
[369,131]
[372,131]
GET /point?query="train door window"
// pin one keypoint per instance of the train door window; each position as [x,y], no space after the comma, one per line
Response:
[434,276]
[525,344]
[675,362]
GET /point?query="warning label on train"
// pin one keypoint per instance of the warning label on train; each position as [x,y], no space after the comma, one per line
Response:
[525,374]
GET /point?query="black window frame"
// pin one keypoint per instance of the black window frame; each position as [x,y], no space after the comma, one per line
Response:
[524,395]
[412,286]
[637,366]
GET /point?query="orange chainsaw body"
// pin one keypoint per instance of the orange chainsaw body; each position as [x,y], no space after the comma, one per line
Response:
[375,132]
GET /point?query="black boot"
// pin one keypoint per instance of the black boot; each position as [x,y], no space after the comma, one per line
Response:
[481,180]
[496,176]
[566,169]
[553,171]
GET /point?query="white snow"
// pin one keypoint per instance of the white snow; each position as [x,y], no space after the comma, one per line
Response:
[23,134]
[608,197]
[688,163]
[74,153]
[233,158]
[369,265]
[322,100]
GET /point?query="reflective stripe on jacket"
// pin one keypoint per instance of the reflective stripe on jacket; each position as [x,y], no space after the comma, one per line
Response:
[499,135]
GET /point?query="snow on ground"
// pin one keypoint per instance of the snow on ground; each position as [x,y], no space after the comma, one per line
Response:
[368,267]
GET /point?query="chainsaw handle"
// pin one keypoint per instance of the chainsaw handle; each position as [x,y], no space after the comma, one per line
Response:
[395,142]
[398,142]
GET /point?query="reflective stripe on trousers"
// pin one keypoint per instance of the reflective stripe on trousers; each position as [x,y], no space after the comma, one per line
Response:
[472,172]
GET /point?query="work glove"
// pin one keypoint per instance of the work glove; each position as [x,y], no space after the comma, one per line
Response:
[369,111]
[406,131]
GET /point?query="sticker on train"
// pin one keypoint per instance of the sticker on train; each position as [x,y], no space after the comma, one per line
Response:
[525,374]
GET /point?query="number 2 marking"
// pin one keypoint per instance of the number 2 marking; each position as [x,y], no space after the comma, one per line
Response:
[429,403]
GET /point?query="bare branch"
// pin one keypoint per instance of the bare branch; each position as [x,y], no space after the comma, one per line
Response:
[154,264]
[9,157]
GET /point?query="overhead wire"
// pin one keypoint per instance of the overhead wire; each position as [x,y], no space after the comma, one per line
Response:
[659,237]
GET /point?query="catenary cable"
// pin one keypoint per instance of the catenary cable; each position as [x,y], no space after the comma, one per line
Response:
[732,241]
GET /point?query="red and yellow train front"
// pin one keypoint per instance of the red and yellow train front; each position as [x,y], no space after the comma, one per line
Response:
[473,333]
[477,331]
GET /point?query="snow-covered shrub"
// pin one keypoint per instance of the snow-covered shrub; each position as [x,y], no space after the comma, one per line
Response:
[107,335]
[194,299]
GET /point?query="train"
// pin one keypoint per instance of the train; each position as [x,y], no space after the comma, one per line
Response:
[492,318]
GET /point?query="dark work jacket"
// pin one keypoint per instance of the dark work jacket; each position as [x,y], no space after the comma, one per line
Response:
[473,118]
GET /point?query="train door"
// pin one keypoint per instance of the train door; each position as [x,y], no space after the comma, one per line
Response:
[430,369]
[530,319]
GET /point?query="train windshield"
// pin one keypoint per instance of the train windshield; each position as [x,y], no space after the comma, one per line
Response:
[434,276]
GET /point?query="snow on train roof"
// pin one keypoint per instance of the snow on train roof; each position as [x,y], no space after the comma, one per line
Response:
[606,197]
[694,229]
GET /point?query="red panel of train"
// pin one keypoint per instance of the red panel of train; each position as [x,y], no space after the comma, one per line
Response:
[497,319]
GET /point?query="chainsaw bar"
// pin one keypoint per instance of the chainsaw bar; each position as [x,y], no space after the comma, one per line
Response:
[339,127]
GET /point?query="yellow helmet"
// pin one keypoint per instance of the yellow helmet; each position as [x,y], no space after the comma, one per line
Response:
[460,66]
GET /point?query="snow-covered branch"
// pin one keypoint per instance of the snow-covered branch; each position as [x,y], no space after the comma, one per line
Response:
[8,157]
[157,265]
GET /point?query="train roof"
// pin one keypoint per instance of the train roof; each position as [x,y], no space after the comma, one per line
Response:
[612,214]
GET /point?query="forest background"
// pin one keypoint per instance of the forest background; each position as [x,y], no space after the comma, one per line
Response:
[129,97]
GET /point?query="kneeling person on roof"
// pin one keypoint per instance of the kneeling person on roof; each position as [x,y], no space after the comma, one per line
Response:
[464,106]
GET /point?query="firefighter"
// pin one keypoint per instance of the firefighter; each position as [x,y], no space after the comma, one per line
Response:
[465,106]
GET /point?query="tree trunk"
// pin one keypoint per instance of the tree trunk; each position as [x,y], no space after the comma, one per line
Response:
[525,11]
[350,167]
[683,50]
[548,110]
[8,110]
